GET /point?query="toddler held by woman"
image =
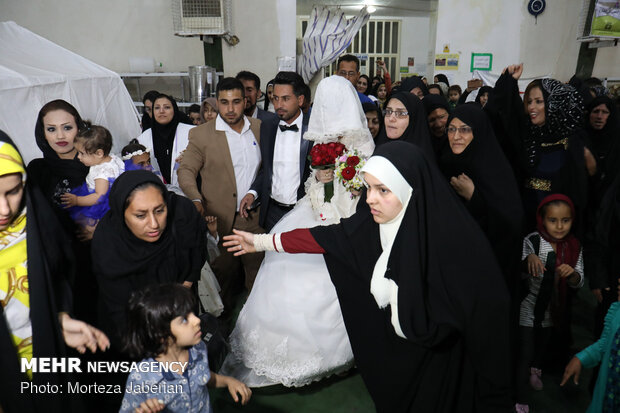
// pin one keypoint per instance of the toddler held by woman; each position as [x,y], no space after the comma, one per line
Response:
[88,203]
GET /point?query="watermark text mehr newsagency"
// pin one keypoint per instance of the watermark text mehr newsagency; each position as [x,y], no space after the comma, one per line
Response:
[75,365]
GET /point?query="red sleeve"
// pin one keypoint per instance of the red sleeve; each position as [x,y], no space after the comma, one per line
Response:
[388,83]
[300,241]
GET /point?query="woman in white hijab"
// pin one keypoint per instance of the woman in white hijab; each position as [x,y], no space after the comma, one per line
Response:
[422,297]
[290,330]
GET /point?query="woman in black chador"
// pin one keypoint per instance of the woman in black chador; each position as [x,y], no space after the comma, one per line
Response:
[422,297]
[149,236]
[542,137]
[405,120]
[477,169]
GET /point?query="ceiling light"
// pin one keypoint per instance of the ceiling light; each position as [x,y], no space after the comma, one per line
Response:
[371,9]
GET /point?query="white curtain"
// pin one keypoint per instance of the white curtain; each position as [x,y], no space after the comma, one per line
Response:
[328,34]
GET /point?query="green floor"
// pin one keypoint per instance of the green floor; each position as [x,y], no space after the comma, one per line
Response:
[348,394]
[333,395]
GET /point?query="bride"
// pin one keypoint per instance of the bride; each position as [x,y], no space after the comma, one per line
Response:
[290,330]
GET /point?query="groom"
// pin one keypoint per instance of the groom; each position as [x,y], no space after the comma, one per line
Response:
[285,166]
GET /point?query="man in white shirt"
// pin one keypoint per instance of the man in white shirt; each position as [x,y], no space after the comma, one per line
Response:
[285,165]
[226,154]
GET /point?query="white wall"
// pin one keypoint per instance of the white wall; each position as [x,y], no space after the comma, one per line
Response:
[549,45]
[546,46]
[478,26]
[607,63]
[109,32]
[415,36]
[266,30]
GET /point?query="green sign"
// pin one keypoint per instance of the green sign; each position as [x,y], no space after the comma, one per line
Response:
[606,19]
[481,61]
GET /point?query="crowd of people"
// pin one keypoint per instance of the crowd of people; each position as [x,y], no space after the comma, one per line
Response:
[433,237]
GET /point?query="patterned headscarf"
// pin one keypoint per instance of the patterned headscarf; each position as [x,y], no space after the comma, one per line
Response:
[14,287]
[564,111]
[563,106]
[10,163]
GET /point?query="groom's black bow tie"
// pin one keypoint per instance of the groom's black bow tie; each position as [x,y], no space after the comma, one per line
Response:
[284,128]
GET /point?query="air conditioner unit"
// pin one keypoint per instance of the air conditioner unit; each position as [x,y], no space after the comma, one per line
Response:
[201,17]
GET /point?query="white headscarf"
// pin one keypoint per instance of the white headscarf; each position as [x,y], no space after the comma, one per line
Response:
[385,290]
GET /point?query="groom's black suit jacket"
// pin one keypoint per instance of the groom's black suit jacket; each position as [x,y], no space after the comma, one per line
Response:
[262,182]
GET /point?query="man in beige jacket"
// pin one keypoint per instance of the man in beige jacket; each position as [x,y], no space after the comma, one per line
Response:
[225,153]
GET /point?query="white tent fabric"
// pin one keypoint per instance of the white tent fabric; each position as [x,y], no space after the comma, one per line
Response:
[489,79]
[328,34]
[34,71]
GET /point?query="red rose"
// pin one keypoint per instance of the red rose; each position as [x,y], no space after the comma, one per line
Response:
[353,160]
[348,173]
[325,153]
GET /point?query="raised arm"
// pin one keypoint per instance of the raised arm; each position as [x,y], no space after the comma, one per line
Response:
[507,113]
[386,77]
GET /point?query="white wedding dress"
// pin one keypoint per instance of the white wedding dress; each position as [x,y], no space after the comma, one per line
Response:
[291,330]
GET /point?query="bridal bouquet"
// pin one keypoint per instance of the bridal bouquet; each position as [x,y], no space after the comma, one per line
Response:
[323,156]
[347,170]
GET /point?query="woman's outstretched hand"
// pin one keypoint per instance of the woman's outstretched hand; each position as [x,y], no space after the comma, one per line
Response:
[239,243]
[82,336]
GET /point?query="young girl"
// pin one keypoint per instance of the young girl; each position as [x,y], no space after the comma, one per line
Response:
[162,328]
[606,351]
[454,94]
[380,92]
[88,203]
[553,257]
[136,156]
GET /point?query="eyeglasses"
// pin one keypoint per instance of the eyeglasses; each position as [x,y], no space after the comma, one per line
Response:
[347,74]
[435,119]
[463,130]
[398,113]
